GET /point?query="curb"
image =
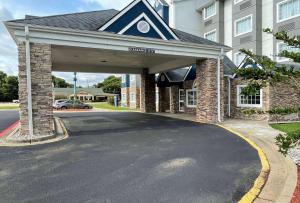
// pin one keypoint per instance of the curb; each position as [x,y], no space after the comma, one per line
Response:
[9,129]
[39,141]
[261,180]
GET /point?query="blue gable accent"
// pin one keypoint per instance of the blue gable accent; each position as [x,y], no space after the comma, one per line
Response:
[127,82]
[131,15]
[134,31]
[192,74]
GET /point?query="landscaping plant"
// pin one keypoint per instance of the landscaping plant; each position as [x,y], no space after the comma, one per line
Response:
[266,72]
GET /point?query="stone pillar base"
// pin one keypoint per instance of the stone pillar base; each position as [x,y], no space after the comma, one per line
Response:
[147,92]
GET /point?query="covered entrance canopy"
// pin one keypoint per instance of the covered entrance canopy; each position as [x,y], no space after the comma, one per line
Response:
[135,40]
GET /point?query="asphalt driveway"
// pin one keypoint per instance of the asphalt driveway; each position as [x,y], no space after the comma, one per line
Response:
[130,157]
[7,118]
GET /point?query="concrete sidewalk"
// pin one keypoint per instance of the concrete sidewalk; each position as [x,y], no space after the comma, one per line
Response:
[282,179]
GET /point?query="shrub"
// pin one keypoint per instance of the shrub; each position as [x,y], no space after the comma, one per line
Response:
[287,141]
[110,100]
[284,110]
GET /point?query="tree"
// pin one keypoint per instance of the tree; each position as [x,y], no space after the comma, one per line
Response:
[11,88]
[3,76]
[60,83]
[271,73]
[112,84]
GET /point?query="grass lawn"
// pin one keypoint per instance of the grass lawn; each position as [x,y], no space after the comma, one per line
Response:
[105,105]
[287,127]
[6,106]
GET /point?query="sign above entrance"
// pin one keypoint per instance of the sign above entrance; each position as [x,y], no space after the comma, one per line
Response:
[141,50]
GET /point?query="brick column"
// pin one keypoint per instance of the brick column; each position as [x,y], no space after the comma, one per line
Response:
[174,100]
[41,82]
[207,98]
[147,92]
[163,100]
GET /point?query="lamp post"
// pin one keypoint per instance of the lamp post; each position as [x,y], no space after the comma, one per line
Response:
[74,93]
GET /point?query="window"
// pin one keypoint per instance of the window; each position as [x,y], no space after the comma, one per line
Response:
[239,58]
[132,77]
[248,101]
[282,47]
[212,35]
[123,97]
[123,78]
[288,9]
[210,11]
[237,1]
[132,97]
[191,98]
[243,26]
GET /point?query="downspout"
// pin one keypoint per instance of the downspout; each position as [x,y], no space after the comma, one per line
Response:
[219,84]
[28,73]
[229,96]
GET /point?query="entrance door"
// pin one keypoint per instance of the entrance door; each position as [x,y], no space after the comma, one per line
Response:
[181,100]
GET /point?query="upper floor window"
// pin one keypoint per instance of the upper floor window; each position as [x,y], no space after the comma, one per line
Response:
[239,58]
[210,11]
[123,97]
[237,1]
[248,101]
[243,25]
[284,47]
[212,35]
[288,9]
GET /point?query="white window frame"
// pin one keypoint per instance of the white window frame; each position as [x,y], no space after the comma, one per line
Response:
[132,100]
[278,58]
[277,14]
[187,98]
[204,11]
[238,1]
[239,104]
[180,100]
[210,32]
[240,19]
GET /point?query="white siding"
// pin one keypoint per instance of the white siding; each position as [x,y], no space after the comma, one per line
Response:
[228,25]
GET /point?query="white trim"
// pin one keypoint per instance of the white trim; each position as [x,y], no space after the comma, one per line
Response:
[134,95]
[204,11]
[277,14]
[106,25]
[238,1]
[143,15]
[248,105]
[179,100]
[28,82]
[229,96]
[240,19]
[210,32]
[187,73]
[219,87]
[187,100]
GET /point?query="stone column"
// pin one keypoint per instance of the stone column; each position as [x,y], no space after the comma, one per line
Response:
[207,91]
[174,100]
[41,83]
[162,100]
[147,92]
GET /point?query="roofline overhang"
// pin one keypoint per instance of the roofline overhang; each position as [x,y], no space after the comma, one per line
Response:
[110,41]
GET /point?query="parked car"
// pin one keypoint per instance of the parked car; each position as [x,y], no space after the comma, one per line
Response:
[70,104]
[16,101]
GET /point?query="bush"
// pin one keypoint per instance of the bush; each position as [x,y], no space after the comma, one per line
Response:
[284,111]
[110,100]
[287,141]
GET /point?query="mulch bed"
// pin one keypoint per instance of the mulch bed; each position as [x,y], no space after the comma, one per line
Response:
[296,196]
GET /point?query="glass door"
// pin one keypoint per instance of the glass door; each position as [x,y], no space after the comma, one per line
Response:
[181,100]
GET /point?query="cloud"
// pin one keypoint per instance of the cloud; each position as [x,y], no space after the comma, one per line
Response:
[83,79]
[108,4]
[8,49]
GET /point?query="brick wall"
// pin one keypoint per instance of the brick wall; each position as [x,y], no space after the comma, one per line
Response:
[42,99]
[147,92]
[125,90]
[206,76]
[164,99]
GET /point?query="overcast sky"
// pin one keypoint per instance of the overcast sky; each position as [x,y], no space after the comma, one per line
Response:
[16,9]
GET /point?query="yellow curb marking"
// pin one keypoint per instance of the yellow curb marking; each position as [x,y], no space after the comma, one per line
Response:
[260,181]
